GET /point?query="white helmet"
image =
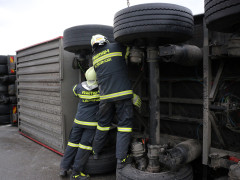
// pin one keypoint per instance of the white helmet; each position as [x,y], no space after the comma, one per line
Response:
[99,40]
[91,76]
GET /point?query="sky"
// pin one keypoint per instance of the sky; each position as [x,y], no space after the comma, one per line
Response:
[27,22]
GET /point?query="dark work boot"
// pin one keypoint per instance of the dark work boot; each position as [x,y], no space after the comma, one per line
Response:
[79,176]
[63,172]
[95,155]
[121,163]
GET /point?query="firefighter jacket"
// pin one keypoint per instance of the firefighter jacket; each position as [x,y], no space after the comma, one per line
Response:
[110,66]
[87,106]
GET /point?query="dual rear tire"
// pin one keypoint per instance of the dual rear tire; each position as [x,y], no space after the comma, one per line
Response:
[154,22]
[222,15]
[131,173]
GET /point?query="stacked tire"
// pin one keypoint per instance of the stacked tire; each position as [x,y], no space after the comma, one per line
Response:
[222,15]
[8,100]
[153,24]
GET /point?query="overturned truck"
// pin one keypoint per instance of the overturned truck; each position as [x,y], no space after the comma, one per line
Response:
[185,69]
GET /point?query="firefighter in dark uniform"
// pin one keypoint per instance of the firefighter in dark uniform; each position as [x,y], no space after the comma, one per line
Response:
[115,95]
[79,145]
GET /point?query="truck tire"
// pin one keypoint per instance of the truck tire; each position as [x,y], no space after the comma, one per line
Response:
[78,38]
[4,119]
[222,15]
[159,22]
[4,99]
[11,89]
[3,79]
[131,173]
[3,69]
[105,164]
[12,99]
[8,79]
[11,78]
[4,109]
[3,60]
[3,89]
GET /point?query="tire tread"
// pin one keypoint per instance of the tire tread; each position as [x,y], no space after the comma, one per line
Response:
[153,21]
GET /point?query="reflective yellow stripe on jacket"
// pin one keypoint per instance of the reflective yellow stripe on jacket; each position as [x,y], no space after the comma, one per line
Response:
[95,61]
[122,93]
[124,129]
[88,96]
[85,123]
[127,52]
[72,144]
[74,90]
[85,147]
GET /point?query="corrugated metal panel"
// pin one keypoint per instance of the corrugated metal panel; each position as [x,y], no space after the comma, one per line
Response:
[40,55]
[48,108]
[40,88]
[41,135]
[39,69]
[50,77]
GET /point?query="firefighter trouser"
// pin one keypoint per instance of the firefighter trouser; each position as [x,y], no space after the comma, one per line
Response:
[105,115]
[78,149]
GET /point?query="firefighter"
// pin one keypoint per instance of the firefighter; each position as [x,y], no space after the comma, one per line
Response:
[115,96]
[79,145]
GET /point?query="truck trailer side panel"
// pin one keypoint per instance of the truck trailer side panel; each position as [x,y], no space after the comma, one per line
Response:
[45,100]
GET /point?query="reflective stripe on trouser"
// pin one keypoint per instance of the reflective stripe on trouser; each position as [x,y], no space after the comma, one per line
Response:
[85,123]
[72,146]
[100,128]
[124,111]
[124,129]
[84,150]
[78,136]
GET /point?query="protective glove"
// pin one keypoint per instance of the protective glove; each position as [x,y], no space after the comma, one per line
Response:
[136,100]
